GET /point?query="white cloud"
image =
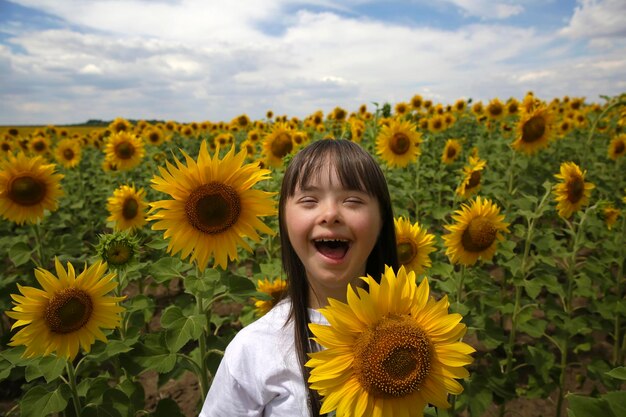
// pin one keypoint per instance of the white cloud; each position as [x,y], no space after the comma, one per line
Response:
[488,9]
[182,61]
[597,19]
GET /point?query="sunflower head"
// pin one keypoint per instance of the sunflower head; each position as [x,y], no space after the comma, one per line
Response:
[617,147]
[278,144]
[127,208]
[534,131]
[471,182]
[385,349]
[68,313]
[398,143]
[610,215]
[67,153]
[573,192]
[28,187]
[414,245]
[477,229]
[124,150]
[213,206]
[275,290]
[451,151]
[118,250]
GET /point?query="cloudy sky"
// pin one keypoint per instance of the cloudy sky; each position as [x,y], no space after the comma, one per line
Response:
[67,61]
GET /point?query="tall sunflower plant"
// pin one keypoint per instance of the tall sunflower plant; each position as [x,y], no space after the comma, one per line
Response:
[213,210]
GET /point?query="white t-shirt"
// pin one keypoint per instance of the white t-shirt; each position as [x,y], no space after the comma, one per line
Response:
[259,375]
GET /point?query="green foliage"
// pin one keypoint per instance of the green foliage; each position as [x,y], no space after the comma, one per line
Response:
[549,304]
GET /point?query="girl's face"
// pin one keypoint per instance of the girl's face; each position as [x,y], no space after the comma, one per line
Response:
[333,230]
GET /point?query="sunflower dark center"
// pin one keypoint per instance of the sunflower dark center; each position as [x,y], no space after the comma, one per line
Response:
[575,189]
[533,129]
[124,150]
[407,251]
[282,145]
[6,147]
[27,191]
[495,109]
[479,235]
[130,208]
[68,154]
[399,143]
[619,148]
[119,254]
[68,311]
[39,146]
[393,358]
[437,124]
[213,208]
[451,152]
[474,180]
[154,137]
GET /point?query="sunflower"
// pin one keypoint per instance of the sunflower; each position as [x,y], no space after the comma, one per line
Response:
[39,145]
[120,125]
[124,150]
[118,250]
[478,228]
[6,145]
[573,193]
[278,144]
[610,214]
[357,130]
[127,208]
[154,136]
[390,351]
[534,131]
[459,106]
[495,109]
[471,182]
[398,143]
[68,313]
[274,289]
[401,108]
[414,244]
[437,123]
[617,147]
[28,186]
[214,206]
[451,151]
[67,153]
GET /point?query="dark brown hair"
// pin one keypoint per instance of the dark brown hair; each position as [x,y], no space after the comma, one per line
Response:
[356,170]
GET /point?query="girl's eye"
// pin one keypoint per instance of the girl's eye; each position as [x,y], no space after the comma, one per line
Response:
[354,201]
[307,200]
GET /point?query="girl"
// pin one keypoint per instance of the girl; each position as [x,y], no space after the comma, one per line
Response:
[336,224]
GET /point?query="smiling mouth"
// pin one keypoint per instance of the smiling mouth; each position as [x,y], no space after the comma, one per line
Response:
[332,248]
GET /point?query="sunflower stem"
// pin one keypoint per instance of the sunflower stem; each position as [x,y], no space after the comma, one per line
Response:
[71,381]
[617,349]
[620,101]
[518,284]
[38,246]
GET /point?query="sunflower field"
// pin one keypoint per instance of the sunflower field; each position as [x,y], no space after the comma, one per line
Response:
[134,251]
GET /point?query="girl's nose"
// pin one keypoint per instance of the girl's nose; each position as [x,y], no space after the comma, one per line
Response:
[330,213]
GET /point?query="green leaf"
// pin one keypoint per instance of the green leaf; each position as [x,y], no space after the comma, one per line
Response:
[239,288]
[117,400]
[180,328]
[166,269]
[619,373]
[39,401]
[20,253]
[50,367]
[582,406]
[206,286]
[617,402]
